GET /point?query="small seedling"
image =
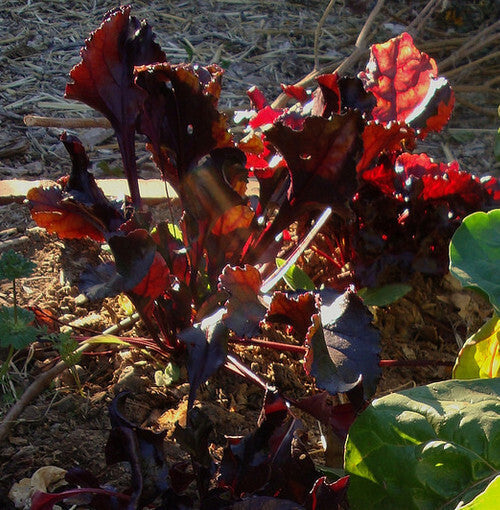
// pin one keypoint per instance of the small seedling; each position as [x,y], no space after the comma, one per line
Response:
[16,331]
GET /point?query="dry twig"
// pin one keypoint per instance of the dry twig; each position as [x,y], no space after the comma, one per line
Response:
[44,379]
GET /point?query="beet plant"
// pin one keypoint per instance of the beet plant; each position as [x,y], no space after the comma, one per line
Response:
[338,169]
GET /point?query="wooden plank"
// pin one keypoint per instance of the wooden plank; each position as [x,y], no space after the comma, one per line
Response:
[152,190]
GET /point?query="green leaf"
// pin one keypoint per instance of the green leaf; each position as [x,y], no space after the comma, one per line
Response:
[168,376]
[475,254]
[16,330]
[487,499]
[384,295]
[496,149]
[13,265]
[295,278]
[429,447]
[480,355]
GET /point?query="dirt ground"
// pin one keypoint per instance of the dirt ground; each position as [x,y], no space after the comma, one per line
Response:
[259,43]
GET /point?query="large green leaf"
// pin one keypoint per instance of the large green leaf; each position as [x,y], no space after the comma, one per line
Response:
[430,447]
[487,499]
[480,355]
[475,254]
[295,277]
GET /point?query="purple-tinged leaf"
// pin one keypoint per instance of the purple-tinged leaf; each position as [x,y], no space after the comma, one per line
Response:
[206,344]
[339,417]
[134,254]
[328,496]
[352,341]
[104,79]
[194,438]
[143,450]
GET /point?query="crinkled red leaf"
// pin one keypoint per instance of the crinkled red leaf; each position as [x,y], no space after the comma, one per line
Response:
[442,181]
[295,310]
[104,78]
[180,116]
[406,85]
[296,92]
[455,185]
[244,311]
[265,116]
[75,207]
[420,165]
[69,220]
[206,344]
[383,177]
[384,139]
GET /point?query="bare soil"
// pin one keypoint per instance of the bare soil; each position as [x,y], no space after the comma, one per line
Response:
[263,43]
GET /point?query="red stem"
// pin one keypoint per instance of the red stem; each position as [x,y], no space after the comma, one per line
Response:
[300,349]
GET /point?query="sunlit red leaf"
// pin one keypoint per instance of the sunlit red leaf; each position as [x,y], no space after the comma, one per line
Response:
[104,78]
[441,181]
[389,139]
[75,207]
[295,92]
[265,116]
[156,280]
[244,311]
[66,219]
[296,311]
[406,85]
[180,116]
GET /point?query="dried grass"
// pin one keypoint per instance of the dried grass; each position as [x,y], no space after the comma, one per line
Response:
[261,43]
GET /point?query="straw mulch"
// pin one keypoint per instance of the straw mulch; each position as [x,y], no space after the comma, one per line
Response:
[261,43]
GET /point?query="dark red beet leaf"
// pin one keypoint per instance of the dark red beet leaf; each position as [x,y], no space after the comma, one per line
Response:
[75,207]
[104,79]
[180,116]
[406,85]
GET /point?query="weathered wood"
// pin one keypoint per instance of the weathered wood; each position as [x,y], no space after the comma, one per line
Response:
[152,190]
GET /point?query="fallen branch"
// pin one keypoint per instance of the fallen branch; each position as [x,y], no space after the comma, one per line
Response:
[360,49]
[44,380]
[70,123]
